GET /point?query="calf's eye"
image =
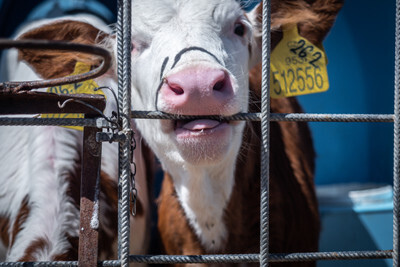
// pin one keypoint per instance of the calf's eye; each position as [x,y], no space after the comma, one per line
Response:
[239,29]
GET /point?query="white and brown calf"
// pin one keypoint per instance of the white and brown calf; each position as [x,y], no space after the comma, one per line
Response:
[214,208]
[193,57]
[40,167]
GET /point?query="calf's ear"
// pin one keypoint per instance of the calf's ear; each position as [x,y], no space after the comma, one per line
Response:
[314,19]
[52,63]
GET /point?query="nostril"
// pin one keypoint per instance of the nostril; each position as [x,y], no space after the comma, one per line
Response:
[174,87]
[219,85]
[218,79]
[177,90]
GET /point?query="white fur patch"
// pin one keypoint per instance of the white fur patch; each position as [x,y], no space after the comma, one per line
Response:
[204,193]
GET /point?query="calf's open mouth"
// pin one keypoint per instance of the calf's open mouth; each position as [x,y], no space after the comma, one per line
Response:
[198,125]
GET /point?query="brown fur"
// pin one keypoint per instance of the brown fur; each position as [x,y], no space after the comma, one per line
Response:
[54,64]
[294,218]
[42,244]
[35,247]
[177,235]
[314,18]
[4,231]
[23,214]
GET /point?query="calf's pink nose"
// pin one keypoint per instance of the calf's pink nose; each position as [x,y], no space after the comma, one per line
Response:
[197,91]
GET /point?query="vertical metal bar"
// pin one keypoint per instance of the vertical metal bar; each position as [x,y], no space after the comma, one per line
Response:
[265,120]
[396,143]
[124,98]
[90,186]
[120,66]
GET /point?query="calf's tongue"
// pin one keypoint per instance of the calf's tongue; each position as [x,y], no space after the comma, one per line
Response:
[198,125]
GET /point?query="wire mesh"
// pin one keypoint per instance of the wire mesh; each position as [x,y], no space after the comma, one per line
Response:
[123,28]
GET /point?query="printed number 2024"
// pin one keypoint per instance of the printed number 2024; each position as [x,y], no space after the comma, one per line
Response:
[306,79]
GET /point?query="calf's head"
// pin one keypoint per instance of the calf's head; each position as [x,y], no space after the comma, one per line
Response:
[191,58]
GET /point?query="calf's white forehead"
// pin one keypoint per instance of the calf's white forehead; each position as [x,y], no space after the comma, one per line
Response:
[150,16]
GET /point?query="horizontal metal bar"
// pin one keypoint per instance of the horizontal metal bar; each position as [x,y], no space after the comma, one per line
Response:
[242,258]
[101,123]
[312,117]
[13,121]
[166,116]
[227,258]
[40,264]
[341,255]
[56,45]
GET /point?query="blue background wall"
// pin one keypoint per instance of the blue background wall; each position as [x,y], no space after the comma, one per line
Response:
[360,50]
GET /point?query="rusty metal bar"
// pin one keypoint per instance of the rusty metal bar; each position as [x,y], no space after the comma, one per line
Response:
[89,204]
[56,45]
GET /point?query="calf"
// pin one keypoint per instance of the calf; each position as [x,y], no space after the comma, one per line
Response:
[193,58]
[215,208]
[41,166]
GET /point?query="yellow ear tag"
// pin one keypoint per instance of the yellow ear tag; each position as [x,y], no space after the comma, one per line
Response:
[297,67]
[85,87]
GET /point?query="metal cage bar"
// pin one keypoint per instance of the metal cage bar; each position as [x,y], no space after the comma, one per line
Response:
[396,141]
[265,128]
[307,117]
[124,98]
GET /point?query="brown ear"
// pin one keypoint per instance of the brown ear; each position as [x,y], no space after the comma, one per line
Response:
[55,64]
[325,12]
[314,18]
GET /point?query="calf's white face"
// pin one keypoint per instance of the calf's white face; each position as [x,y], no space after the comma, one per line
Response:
[191,58]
